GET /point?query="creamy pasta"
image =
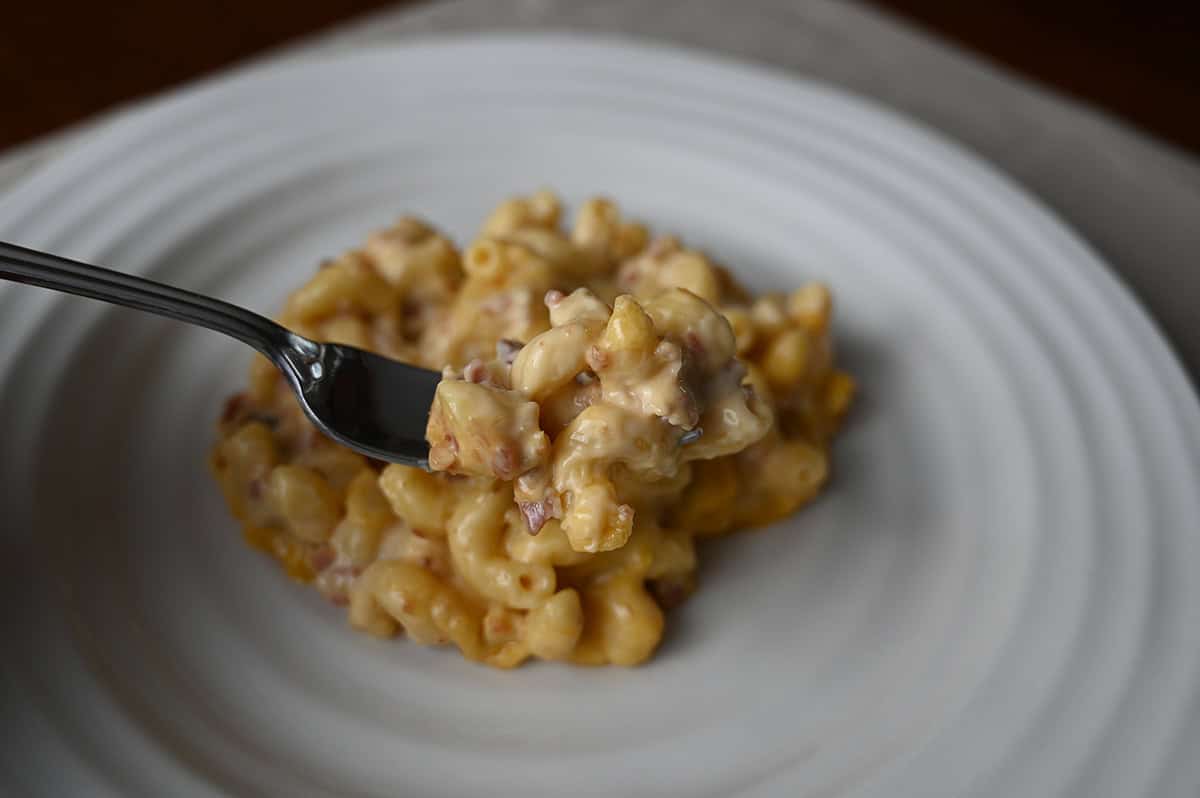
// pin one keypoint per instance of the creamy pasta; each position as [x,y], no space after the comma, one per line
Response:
[607,400]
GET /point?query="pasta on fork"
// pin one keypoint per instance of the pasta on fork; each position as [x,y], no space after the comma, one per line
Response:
[608,399]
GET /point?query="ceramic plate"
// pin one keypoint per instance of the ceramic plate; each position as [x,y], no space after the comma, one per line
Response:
[996,597]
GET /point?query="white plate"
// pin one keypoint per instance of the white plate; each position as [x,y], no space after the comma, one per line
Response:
[997,597]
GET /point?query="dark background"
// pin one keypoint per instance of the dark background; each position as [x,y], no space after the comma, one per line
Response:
[61,60]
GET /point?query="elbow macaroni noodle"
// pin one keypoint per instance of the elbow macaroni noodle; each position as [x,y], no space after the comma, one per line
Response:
[609,399]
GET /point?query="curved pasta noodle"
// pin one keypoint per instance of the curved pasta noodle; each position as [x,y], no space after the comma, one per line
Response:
[475,532]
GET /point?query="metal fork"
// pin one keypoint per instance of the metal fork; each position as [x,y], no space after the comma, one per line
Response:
[367,402]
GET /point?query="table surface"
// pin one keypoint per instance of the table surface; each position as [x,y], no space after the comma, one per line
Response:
[1139,60]
[1134,197]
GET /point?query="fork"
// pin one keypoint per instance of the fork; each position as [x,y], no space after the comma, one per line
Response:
[367,402]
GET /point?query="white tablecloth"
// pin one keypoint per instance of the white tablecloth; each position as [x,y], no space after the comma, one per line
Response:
[1135,199]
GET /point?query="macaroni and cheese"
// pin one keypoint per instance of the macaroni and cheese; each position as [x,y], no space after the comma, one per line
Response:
[607,400]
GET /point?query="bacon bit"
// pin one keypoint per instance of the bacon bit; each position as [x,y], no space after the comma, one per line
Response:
[255,489]
[322,558]
[597,358]
[506,350]
[536,514]
[692,340]
[553,297]
[669,593]
[475,371]
[499,626]
[234,406]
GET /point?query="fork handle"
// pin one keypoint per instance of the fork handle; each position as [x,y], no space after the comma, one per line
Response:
[42,269]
